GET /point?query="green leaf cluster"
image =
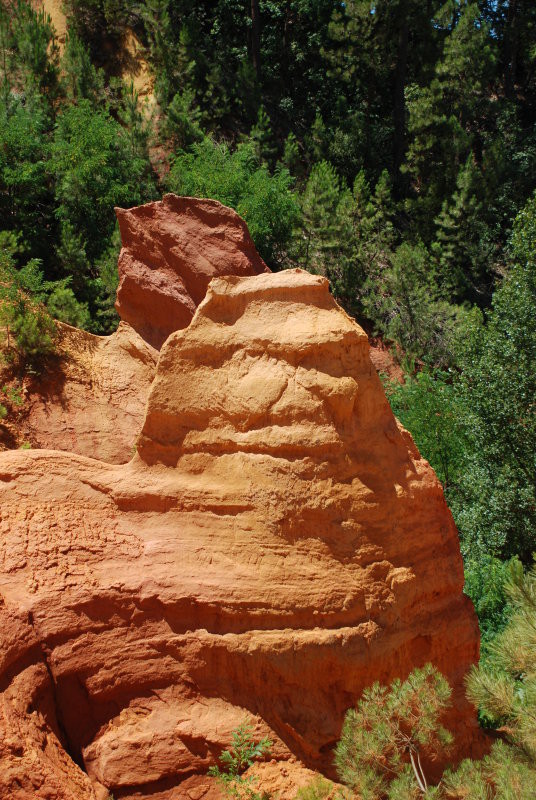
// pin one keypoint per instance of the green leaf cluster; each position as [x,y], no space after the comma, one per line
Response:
[242,754]
[237,179]
[379,752]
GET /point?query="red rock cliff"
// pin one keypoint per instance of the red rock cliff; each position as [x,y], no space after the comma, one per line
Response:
[276,545]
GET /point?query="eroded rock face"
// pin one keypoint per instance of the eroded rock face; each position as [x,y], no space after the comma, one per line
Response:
[33,759]
[171,249]
[91,399]
[276,545]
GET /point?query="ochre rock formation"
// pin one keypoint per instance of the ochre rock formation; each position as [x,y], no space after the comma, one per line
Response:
[91,398]
[276,545]
[171,249]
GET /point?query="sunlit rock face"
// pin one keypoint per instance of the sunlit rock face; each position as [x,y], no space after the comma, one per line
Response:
[276,545]
[91,398]
[171,249]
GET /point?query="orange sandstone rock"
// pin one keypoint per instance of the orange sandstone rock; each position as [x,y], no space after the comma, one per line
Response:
[33,760]
[92,399]
[171,249]
[276,545]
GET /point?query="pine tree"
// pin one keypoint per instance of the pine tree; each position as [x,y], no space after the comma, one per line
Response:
[62,305]
[81,80]
[26,193]
[375,240]
[317,139]
[95,169]
[72,256]
[263,138]
[505,690]
[291,154]
[376,51]
[35,55]
[462,245]
[28,92]
[182,121]
[383,738]
[172,61]
[319,237]
[30,330]
[447,113]
[497,508]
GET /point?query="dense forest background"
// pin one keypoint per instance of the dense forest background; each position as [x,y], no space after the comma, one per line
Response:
[388,145]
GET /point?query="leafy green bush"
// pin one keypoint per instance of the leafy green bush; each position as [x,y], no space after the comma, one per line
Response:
[244,751]
[379,752]
[429,406]
[236,179]
[485,582]
[12,395]
[63,306]
[497,509]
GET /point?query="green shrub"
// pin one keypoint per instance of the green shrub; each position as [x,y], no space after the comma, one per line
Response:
[244,751]
[63,306]
[383,738]
[429,407]
[30,330]
[318,789]
[236,179]
[13,397]
[485,582]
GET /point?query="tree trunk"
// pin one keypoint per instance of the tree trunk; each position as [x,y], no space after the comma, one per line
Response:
[511,45]
[256,38]
[399,105]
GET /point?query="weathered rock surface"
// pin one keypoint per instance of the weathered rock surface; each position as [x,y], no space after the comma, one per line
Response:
[91,399]
[33,760]
[276,545]
[172,248]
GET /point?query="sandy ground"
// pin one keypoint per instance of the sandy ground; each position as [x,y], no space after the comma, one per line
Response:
[55,10]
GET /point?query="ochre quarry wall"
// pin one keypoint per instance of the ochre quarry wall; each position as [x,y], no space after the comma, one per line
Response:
[276,545]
